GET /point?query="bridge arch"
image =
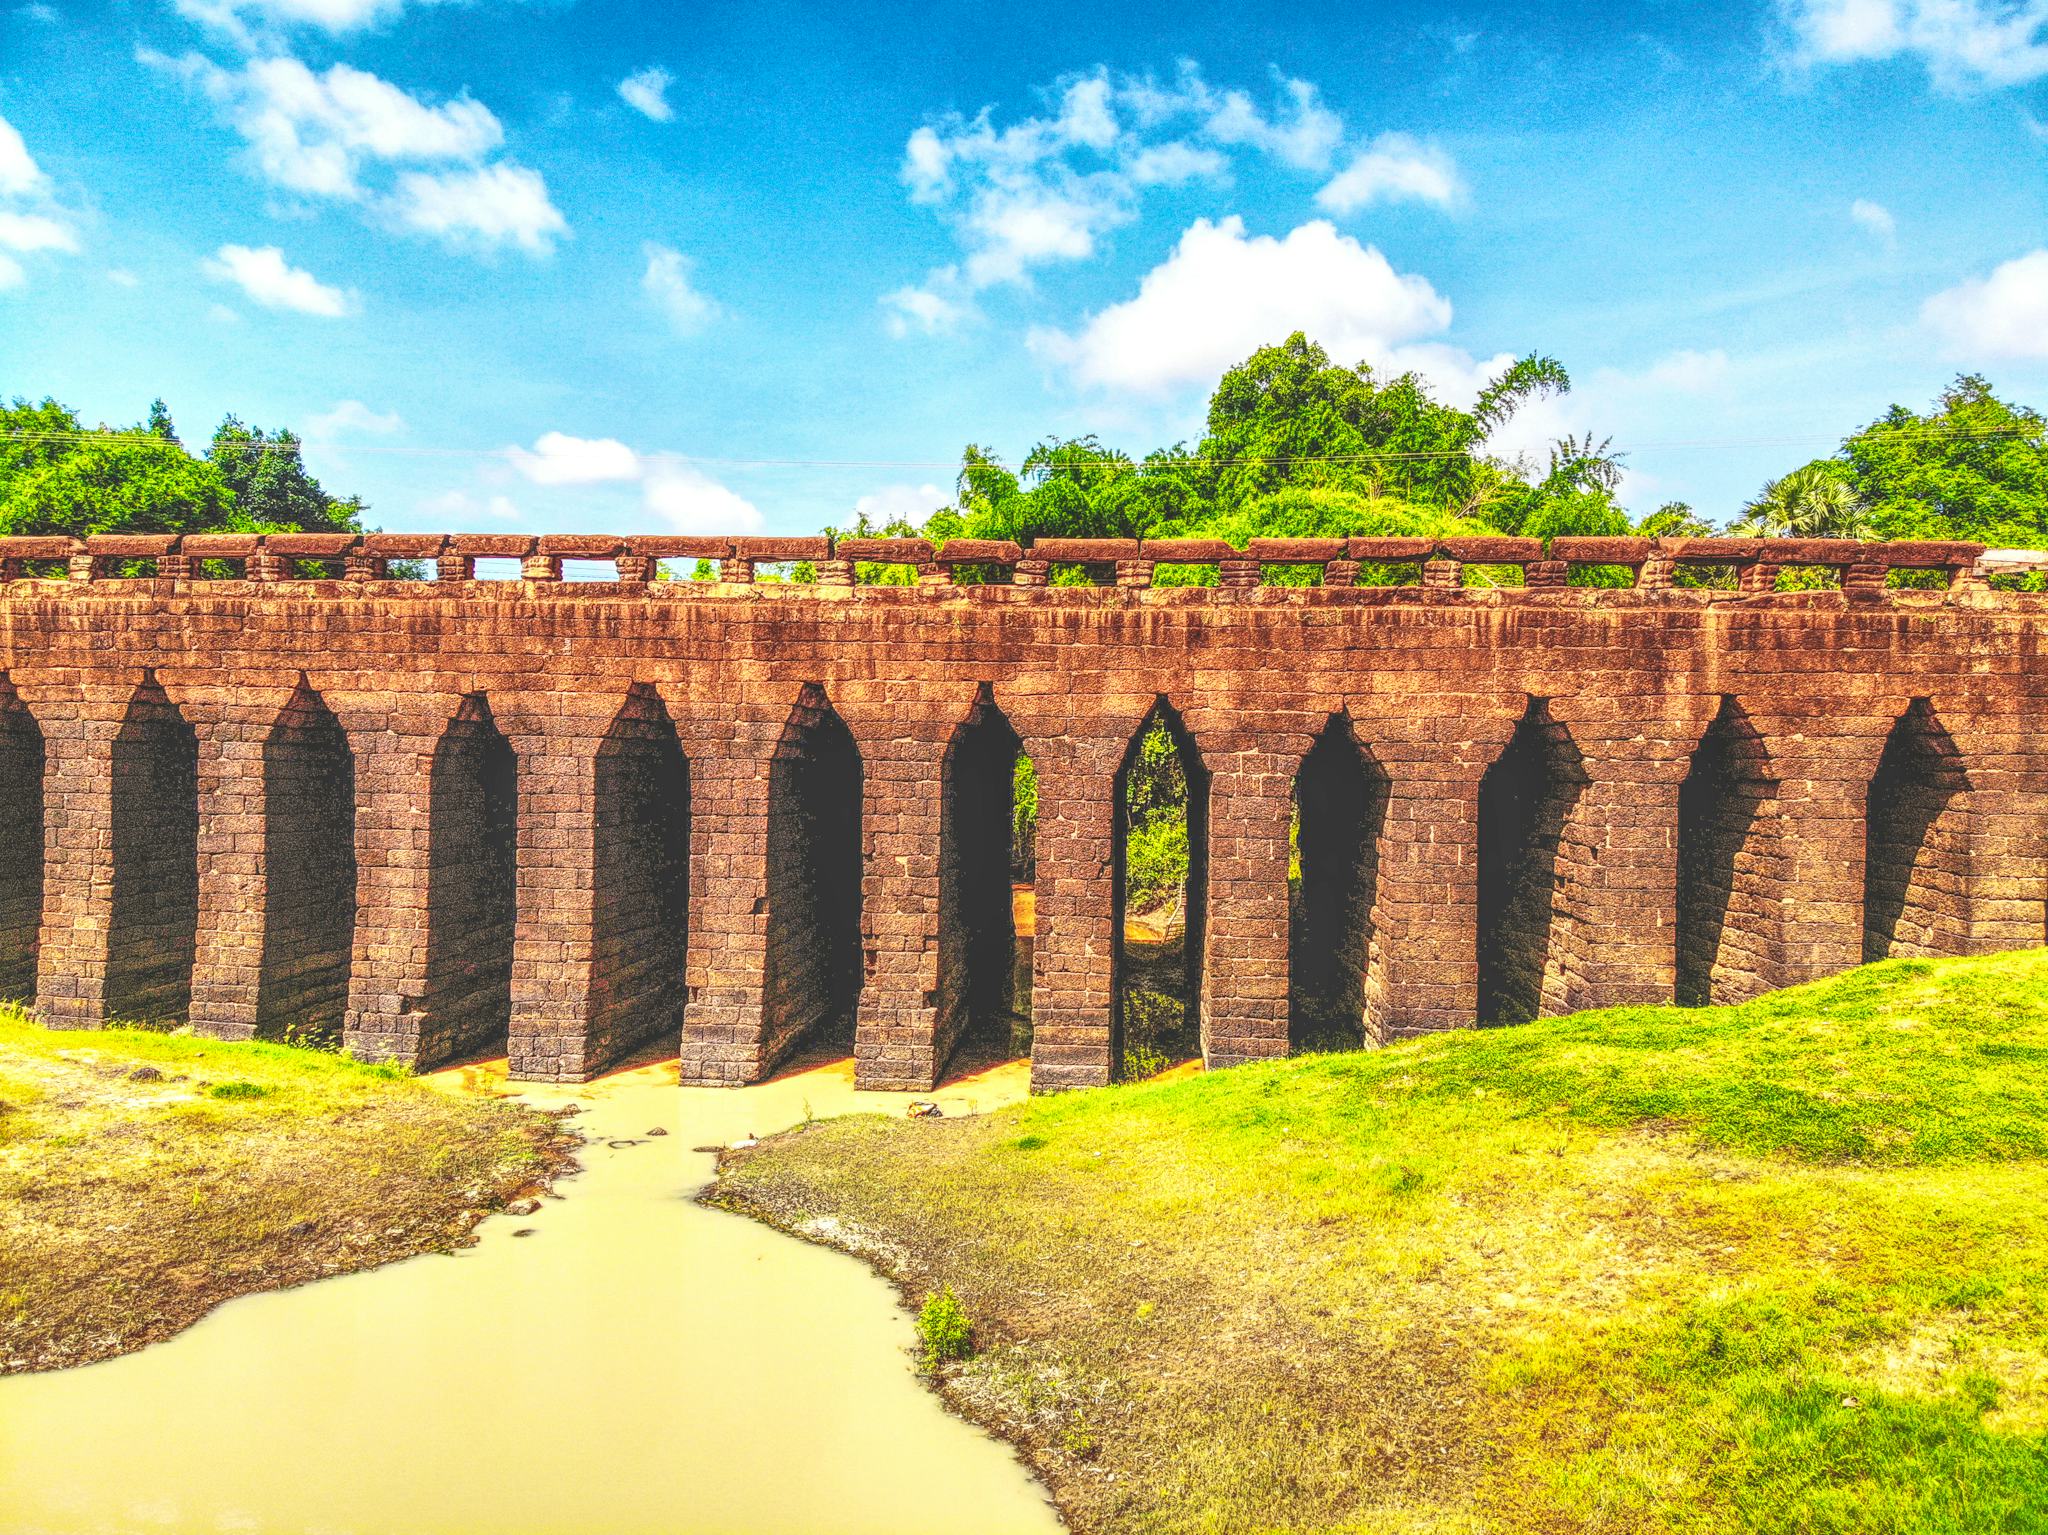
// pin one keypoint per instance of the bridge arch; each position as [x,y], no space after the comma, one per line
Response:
[1916,842]
[1340,811]
[153,922]
[981,987]
[309,863]
[640,869]
[1726,894]
[1161,803]
[1526,800]
[21,844]
[472,903]
[813,965]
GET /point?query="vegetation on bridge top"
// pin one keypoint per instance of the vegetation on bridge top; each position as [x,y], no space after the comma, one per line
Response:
[1779,1266]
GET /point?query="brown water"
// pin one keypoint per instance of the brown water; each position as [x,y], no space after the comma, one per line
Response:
[637,1364]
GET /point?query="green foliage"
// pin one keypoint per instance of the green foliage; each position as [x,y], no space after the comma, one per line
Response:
[943,1330]
[1816,501]
[1156,815]
[1973,467]
[58,477]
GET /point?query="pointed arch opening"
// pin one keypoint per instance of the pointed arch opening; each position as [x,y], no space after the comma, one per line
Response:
[309,862]
[984,994]
[21,845]
[1526,800]
[472,892]
[810,990]
[153,926]
[1723,899]
[1340,810]
[1161,882]
[641,865]
[1915,847]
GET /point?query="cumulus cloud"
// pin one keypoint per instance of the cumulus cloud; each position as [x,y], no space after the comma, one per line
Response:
[559,459]
[1222,293]
[912,503]
[646,92]
[1876,218]
[343,134]
[1045,190]
[1961,43]
[19,172]
[2002,315]
[1688,372]
[480,209]
[121,277]
[352,418]
[1393,168]
[34,232]
[268,279]
[692,502]
[452,508]
[249,23]
[667,285]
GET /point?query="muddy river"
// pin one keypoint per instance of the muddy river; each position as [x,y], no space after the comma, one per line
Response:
[633,1363]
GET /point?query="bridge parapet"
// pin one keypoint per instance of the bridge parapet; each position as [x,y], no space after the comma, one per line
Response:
[1746,566]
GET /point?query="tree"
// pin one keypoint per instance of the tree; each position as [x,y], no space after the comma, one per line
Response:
[272,488]
[1812,502]
[1973,467]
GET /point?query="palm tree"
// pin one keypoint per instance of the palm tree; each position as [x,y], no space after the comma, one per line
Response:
[1807,503]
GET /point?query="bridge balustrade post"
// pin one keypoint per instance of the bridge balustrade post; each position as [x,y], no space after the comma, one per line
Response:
[896,1037]
[1072,957]
[79,723]
[227,967]
[392,739]
[1244,970]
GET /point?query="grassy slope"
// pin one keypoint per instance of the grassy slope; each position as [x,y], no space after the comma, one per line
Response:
[1777,1267]
[129,1208]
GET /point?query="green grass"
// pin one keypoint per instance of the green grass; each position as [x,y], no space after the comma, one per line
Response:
[146,1177]
[1775,1267]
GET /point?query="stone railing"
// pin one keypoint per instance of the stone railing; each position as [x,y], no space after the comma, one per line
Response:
[1748,565]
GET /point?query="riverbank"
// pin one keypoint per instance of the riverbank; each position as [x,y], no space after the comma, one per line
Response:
[1782,1266]
[145,1178]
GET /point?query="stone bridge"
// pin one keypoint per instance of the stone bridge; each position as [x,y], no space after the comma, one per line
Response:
[289,785]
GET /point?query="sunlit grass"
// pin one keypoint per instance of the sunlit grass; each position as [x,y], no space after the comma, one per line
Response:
[1777,1267]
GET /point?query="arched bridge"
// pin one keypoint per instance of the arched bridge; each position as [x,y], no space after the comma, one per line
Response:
[290,784]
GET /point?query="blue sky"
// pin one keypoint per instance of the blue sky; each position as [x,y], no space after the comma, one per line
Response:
[572,264]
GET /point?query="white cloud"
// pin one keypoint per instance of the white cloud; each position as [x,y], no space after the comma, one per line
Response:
[1961,43]
[242,20]
[34,232]
[452,508]
[2003,315]
[559,459]
[121,277]
[18,170]
[220,314]
[268,279]
[11,274]
[481,209]
[1221,294]
[1045,190]
[316,134]
[352,418]
[646,92]
[667,284]
[1876,218]
[693,502]
[1393,168]
[1688,372]
[912,503]
[926,310]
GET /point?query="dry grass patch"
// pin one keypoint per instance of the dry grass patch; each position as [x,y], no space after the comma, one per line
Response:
[1775,1267]
[145,1178]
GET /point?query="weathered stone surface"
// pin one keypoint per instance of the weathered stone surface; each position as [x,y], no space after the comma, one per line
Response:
[569,820]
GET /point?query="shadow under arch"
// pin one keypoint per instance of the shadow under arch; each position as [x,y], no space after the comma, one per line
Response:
[21,845]
[1160,884]
[472,891]
[983,991]
[1340,811]
[641,869]
[309,863]
[153,923]
[812,968]
[1914,857]
[1722,905]
[1525,800]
